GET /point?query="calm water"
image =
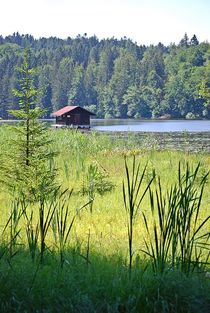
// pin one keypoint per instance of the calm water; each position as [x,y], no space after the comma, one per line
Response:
[150,125]
[135,125]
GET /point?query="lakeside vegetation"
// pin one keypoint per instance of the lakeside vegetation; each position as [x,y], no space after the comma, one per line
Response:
[90,271]
[92,223]
[112,78]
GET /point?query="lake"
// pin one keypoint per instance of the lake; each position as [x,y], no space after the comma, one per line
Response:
[135,125]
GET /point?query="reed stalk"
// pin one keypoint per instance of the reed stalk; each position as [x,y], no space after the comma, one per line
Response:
[133,194]
[178,233]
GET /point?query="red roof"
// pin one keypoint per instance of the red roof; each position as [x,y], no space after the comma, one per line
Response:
[67,109]
[64,110]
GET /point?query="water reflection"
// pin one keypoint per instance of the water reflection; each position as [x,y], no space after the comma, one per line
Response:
[134,125]
[151,125]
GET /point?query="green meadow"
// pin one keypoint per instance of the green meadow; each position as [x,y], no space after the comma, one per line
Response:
[128,230]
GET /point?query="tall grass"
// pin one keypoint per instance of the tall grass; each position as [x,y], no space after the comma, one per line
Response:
[178,234]
[32,232]
[133,195]
[13,226]
[62,223]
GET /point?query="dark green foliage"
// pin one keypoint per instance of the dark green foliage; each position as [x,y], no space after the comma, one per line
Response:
[117,78]
[103,288]
[194,41]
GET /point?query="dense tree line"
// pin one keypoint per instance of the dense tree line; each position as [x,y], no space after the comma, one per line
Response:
[113,78]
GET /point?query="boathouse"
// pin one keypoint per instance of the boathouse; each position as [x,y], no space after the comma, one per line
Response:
[74,116]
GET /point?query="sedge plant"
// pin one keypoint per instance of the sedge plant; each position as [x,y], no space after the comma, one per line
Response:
[178,236]
[133,194]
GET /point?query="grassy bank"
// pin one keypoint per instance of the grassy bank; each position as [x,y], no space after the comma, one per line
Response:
[103,286]
[89,271]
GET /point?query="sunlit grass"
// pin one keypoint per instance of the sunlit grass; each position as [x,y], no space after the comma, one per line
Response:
[77,151]
[87,271]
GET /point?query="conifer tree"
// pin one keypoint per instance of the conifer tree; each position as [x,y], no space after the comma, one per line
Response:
[29,165]
[194,41]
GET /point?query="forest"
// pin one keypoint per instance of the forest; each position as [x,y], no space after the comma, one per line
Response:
[112,78]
